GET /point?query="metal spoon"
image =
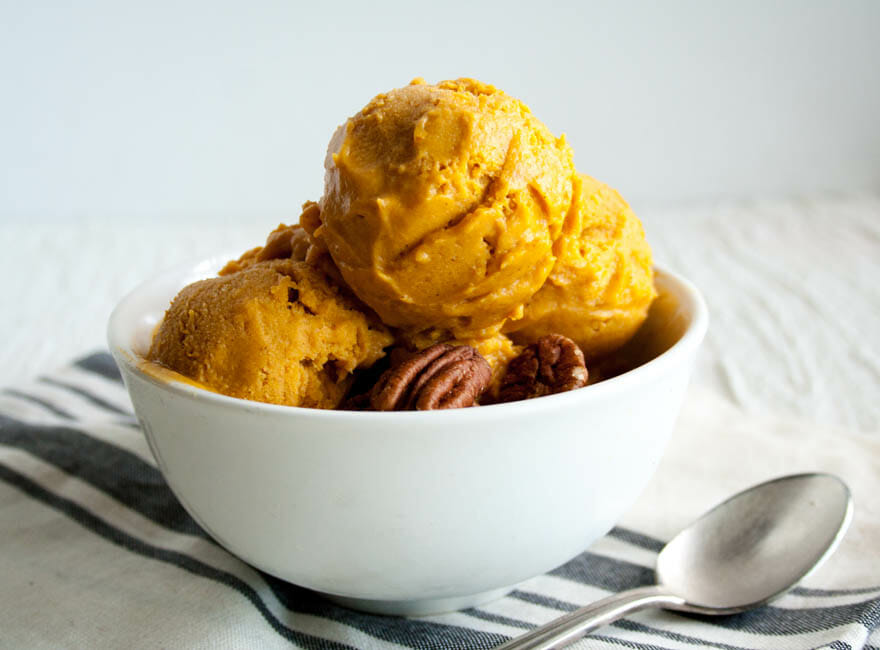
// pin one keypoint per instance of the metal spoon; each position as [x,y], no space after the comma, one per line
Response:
[743,553]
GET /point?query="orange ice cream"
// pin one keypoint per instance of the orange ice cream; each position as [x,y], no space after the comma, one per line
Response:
[285,242]
[602,283]
[498,351]
[276,331]
[441,206]
[450,214]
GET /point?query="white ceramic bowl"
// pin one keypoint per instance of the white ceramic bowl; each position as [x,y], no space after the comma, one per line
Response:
[412,512]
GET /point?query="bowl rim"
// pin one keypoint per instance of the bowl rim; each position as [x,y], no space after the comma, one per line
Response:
[677,353]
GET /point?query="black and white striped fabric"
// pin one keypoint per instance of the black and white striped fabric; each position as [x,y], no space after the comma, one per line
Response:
[95,551]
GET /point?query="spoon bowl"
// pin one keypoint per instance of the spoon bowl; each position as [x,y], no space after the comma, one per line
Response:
[743,553]
[756,545]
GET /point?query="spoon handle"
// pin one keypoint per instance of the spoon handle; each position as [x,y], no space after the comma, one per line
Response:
[574,625]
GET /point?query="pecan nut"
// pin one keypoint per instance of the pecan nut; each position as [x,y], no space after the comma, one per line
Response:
[357,402]
[553,364]
[439,377]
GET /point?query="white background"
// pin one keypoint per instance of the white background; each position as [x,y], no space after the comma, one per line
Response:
[134,136]
[168,109]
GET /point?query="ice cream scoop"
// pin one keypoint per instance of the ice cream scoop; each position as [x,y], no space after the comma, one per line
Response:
[276,331]
[441,206]
[602,283]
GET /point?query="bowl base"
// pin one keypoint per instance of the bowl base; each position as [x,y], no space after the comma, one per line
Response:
[423,607]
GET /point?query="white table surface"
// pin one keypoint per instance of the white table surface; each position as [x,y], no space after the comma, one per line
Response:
[793,289]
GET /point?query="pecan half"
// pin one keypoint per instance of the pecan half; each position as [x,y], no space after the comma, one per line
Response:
[439,377]
[553,364]
[357,402]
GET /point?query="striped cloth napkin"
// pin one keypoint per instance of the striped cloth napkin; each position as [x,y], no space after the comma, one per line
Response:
[96,552]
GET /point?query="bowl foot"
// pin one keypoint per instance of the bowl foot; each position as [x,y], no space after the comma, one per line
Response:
[419,607]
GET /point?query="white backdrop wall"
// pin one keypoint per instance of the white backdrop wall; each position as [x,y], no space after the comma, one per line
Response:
[218,110]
